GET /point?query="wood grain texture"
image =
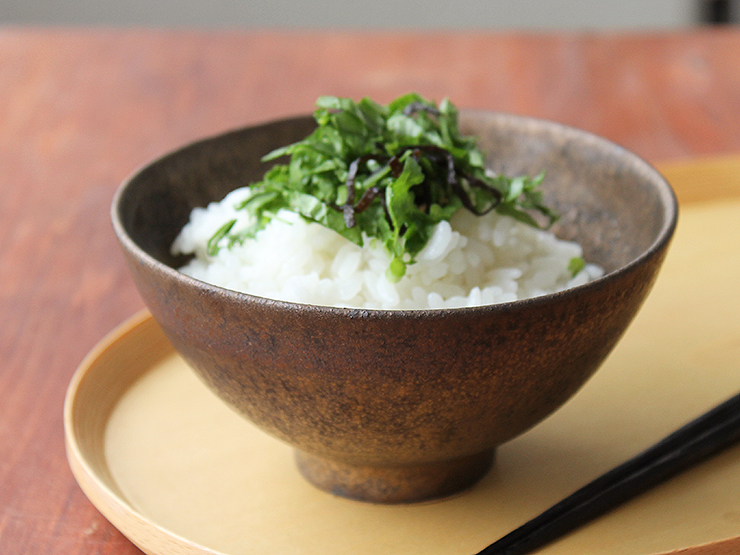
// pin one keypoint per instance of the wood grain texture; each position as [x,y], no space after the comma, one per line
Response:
[81,108]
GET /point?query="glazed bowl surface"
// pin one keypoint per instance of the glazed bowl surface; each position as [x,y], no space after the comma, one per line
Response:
[399,406]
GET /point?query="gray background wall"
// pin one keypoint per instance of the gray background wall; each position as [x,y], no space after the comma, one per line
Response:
[476,14]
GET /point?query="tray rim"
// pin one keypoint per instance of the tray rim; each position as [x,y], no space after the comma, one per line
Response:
[146,534]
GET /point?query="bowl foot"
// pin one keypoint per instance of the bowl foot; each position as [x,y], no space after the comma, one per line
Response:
[394,484]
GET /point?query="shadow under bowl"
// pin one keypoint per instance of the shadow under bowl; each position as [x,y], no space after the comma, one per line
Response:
[400,406]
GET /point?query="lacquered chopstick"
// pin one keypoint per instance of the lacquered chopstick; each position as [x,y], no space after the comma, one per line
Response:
[697,440]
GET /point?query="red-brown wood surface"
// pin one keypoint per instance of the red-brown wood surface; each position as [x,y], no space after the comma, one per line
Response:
[80,109]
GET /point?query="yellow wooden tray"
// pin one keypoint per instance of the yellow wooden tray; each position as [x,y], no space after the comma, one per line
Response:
[178,472]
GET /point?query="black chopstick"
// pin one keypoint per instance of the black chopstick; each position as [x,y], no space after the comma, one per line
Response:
[697,440]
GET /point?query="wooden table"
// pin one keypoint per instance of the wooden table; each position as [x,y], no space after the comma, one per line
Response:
[80,109]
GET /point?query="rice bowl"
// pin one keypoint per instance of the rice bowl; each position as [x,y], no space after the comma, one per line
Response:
[401,405]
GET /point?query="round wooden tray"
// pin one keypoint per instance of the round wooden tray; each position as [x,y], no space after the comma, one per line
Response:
[178,472]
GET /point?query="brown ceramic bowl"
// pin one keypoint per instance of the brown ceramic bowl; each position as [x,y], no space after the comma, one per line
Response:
[398,406]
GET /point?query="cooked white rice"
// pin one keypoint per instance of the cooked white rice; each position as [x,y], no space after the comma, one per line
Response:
[469,261]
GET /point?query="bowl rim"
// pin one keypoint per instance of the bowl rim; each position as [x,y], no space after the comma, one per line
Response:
[663,237]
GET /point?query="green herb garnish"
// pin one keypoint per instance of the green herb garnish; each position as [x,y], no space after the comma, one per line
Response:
[386,172]
[575,265]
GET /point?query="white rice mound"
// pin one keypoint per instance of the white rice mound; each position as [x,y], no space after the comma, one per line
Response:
[469,261]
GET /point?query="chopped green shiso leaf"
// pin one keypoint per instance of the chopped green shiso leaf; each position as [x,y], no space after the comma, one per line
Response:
[575,265]
[389,173]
